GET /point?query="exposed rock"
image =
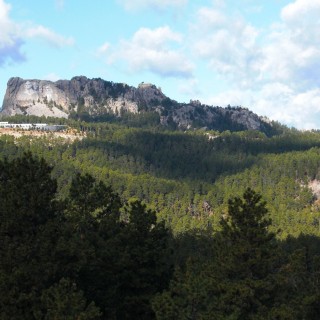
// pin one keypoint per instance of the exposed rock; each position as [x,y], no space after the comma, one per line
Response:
[33,97]
[314,185]
[96,97]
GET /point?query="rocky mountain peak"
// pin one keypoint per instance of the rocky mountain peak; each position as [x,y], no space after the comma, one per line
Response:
[96,97]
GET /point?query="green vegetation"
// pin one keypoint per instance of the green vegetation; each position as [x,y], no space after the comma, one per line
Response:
[188,177]
[139,222]
[244,273]
[77,258]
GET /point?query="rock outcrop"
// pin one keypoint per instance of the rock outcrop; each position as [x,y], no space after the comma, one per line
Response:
[96,97]
[32,97]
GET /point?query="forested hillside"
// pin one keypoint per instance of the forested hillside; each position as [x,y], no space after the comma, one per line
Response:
[177,217]
[188,177]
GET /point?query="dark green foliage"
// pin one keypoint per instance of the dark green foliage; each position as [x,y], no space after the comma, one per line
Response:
[77,258]
[245,233]
[243,278]
[89,257]
[145,268]
[27,213]
[87,197]
[246,274]
[26,186]
[127,266]
[64,301]
[250,260]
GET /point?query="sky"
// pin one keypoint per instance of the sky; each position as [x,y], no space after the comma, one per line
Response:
[263,55]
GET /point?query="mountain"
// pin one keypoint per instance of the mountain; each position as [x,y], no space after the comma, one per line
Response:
[95,98]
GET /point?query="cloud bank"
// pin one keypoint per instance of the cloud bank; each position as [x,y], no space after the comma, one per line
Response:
[274,71]
[154,50]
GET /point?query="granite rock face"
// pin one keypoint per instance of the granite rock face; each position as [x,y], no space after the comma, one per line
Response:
[32,97]
[60,98]
[97,97]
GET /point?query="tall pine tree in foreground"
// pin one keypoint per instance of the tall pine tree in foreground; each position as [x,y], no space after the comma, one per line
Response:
[31,224]
[27,208]
[251,261]
[242,280]
[126,261]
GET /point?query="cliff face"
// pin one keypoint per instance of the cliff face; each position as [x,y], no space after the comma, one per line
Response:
[97,97]
[31,97]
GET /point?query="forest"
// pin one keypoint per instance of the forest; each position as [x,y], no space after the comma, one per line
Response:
[138,221]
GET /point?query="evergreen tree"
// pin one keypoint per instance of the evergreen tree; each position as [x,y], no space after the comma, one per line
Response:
[27,212]
[251,260]
[89,197]
[120,261]
[147,262]
[64,301]
[243,279]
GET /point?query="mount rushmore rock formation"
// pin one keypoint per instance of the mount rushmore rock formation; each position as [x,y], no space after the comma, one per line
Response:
[97,97]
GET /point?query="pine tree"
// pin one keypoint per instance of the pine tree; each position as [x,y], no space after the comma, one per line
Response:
[250,262]
[120,261]
[64,301]
[131,265]
[27,212]
[243,278]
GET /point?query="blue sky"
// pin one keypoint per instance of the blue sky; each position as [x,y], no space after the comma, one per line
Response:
[259,54]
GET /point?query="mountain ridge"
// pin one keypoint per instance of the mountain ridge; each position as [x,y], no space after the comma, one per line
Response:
[96,97]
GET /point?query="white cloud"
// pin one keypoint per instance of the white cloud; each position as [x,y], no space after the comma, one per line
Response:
[154,4]
[10,40]
[233,97]
[297,11]
[5,23]
[49,36]
[293,52]
[275,71]
[276,101]
[228,43]
[155,38]
[103,50]
[281,103]
[189,87]
[288,51]
[210,18]
[13,35]
[51,77]
[153,50]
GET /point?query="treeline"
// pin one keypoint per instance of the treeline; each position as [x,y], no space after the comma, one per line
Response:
[92,256]
[147,118]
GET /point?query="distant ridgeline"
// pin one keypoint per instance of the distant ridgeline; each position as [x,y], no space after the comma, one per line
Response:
[99,100]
